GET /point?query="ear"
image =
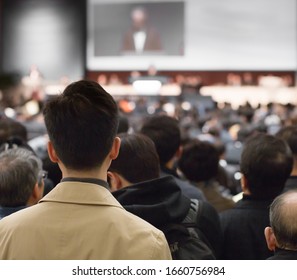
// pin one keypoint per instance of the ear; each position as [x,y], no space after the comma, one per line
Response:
[114,181]
[179,152]
[37,194]
[244,185]
[51,152]
[115,148]
[270,238]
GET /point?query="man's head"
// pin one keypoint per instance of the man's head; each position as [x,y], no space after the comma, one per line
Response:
[199,161]
[137,161]
[266,163]
[11,129]
[20,178]
[82,124]
[282,232]
[139,17]
[165,133]
[289,134]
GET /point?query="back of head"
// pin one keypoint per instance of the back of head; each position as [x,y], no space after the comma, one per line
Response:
[137,160]
[123,124]
[283,213]
[165,133]
[289,134]
[19,171]
[82,123]
[266,163]
[10,128]
[199,161]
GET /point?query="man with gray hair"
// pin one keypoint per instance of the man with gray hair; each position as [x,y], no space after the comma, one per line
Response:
[281,236]
[21,180]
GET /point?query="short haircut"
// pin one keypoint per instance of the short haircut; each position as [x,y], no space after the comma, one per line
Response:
[289,134]
[137,160]
[266,162]
[165,133]
[19,172]
[82,123]
[199,161]
[123,124]
[283,220]
[10,128]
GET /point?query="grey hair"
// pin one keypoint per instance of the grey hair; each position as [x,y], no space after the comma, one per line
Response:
[19,172]
[283,220]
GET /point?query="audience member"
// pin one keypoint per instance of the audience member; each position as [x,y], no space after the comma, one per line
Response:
[75,219]
[137,161]
[13,134]
[199,163]
[21,180]
[266,163]
[281,236]
[123,124]
[289,134]
[165,133]
[10,128]
[134,174]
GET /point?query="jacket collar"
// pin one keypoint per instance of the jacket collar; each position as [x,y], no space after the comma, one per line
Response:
[81,193]
[248,201]
[157,201]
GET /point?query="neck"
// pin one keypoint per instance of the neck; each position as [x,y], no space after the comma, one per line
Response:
[170,164]
[96,173]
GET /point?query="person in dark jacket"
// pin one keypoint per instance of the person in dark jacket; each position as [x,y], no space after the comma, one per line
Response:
[200,164]
[165,133]
[266,163]
[141,37]
[289,134]
[135,182]
[281,236]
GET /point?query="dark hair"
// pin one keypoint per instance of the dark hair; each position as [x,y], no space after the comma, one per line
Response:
[137,160]
[266,162]
[82,124]
[282,217]
[289,134]
[123,124]
[199,161]
[10,128]
[165,133]
[19,172]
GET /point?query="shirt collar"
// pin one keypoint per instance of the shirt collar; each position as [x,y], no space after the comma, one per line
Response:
[87,180]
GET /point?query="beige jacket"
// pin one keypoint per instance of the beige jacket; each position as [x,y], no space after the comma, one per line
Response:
[79,221]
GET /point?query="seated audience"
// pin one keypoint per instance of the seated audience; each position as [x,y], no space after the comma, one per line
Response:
[266,163]
[281,236]
[200,163]
[166,135]
[21,180]
[135,176]
[79,218]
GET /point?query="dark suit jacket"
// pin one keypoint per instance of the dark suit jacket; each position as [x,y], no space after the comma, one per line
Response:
[291,184]
[281,254]
[152,41]
[243,230]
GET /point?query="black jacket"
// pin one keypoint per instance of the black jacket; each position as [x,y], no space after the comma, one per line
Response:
[160,201]
[281,254]
[186,187]
[291,184]
[243,230]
